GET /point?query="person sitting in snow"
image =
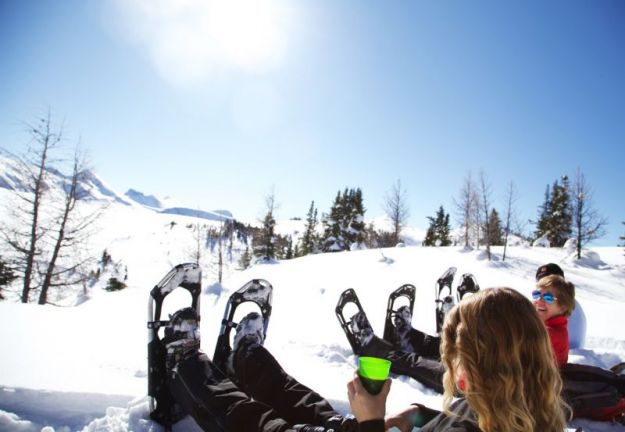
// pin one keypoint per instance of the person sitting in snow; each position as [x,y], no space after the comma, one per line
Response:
[554,300]
[591,391]
[502,367]
[250,393]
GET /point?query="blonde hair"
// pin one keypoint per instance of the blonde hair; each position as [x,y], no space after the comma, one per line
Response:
[512,383]
[565,291]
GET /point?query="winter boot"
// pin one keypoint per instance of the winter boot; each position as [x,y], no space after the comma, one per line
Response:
[182,336]
[402,324]
[368,343]
[250,330]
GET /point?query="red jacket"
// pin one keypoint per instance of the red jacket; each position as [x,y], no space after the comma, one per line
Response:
[558,330]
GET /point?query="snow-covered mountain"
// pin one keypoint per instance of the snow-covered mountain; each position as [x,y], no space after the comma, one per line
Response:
[14,177]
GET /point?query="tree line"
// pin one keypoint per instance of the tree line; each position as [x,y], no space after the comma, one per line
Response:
[566,212]
[47,239]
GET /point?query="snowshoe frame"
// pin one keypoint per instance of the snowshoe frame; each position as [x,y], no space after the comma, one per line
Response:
[258,291]
[162,406]
[408,291]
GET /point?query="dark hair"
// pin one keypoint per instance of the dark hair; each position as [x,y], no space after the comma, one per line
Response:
[548,270]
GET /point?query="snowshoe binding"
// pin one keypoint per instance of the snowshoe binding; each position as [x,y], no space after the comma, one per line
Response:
[468,285]
[253,325]
[179,338]
[398,321]
[444,303]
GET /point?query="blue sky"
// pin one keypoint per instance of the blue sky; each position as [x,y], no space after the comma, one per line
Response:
[217,103]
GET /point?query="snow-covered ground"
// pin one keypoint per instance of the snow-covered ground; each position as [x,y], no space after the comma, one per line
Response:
[84,367]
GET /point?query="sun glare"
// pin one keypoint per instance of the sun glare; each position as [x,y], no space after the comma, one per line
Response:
[191,40]
[245,32]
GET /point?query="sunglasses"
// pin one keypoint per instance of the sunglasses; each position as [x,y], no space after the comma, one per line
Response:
[547,297]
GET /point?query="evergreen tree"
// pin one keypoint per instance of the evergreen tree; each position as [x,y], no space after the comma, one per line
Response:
[556,214]
[333,240]
[495,230]
[288,253]
[309,239]
[355,217]
[438,231]
[264,244]
[245,259]
[6,276]
[345,224]
[561,213]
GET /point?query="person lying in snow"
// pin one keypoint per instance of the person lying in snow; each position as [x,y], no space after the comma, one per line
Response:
[253,393]
[503,368]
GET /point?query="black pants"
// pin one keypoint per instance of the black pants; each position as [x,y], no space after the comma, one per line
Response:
[264,397]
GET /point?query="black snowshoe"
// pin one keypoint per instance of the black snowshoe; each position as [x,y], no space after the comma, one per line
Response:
[257,291]
[358,329]
[444,303]
[358,323]
[178,339]
[398,318]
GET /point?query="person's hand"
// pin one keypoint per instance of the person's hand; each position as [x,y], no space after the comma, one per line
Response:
[403,420]
[364,405]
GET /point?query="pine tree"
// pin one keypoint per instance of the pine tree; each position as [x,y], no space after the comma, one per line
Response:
[264,244]
[355,220]
[556,214]
[561,214]
[438,231]
[345,225]
[333,240]
[495,230]
[288,253]
[309,239]
[6,276]
[543,224]
[245,259]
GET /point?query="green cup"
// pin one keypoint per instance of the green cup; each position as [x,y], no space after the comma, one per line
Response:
[373,372]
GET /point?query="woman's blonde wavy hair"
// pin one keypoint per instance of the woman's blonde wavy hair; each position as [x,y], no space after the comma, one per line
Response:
[512,382]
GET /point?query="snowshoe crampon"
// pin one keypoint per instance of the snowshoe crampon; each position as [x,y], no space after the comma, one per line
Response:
[403,294]
[257,291]
[444,303]
[163,407]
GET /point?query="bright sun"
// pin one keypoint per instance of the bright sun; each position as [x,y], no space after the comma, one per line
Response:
[245,32]
[191,40]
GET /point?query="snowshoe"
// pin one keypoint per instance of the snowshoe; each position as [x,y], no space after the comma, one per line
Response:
[444,303]
[398,318]
[257,291]
[163,408]
[358,330]
[353,326]
[468,285]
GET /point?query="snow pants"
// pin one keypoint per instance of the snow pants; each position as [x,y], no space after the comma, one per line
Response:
[264,398]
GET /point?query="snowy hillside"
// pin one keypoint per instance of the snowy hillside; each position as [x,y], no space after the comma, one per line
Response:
[84,368]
